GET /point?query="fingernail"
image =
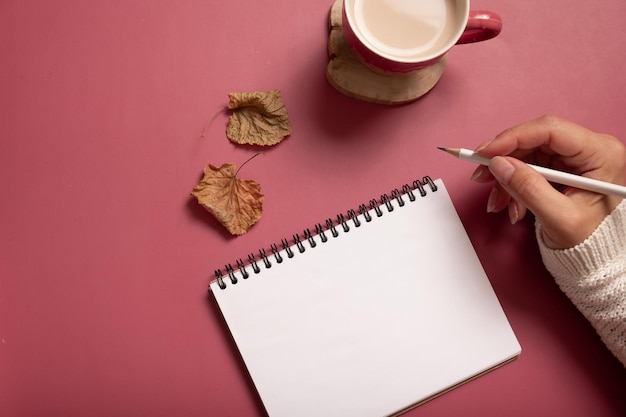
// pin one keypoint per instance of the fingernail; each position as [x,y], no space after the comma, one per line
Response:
[479,172]
[513,212]
[483,145]
[491,201]
[502,169]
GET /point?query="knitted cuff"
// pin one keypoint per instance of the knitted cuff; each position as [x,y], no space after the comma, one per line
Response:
[601,254]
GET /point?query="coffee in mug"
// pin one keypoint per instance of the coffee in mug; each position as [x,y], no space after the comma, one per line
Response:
[406,35]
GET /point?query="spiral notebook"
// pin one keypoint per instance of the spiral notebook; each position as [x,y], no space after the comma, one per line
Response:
[369,314]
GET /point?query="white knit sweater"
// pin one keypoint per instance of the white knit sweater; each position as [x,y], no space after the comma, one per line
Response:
[593,276]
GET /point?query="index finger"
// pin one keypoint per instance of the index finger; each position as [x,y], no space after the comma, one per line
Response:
[550,134]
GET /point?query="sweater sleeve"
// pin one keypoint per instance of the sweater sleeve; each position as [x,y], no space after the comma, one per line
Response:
[593,276]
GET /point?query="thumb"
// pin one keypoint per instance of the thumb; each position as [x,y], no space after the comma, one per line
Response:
[529,188]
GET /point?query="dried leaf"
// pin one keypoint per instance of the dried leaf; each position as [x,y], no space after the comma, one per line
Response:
[235,203]
[258,118]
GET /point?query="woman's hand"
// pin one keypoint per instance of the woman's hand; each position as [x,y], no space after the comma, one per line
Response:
[568,216]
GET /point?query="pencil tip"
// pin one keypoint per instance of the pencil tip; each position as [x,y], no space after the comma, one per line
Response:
[451,151]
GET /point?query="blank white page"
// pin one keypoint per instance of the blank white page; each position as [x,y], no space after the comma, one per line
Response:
[372,322]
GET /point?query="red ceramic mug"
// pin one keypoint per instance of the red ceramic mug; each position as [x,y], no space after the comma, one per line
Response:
[399,36]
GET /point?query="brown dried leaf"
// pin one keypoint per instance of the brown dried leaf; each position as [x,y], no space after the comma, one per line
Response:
[258,118]
[235,203]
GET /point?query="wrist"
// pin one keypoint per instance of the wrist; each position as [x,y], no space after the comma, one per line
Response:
[600,250]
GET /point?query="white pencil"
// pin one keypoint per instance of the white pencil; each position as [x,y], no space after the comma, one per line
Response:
[559,177]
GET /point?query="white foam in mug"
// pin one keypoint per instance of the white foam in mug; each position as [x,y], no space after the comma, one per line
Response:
[403,35]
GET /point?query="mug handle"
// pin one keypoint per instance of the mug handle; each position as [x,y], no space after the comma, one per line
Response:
[481,25]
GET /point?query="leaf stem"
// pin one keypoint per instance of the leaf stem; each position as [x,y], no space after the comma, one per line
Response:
[249,159]
[206,126]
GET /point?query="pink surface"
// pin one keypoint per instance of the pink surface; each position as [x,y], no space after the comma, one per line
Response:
[105,258]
